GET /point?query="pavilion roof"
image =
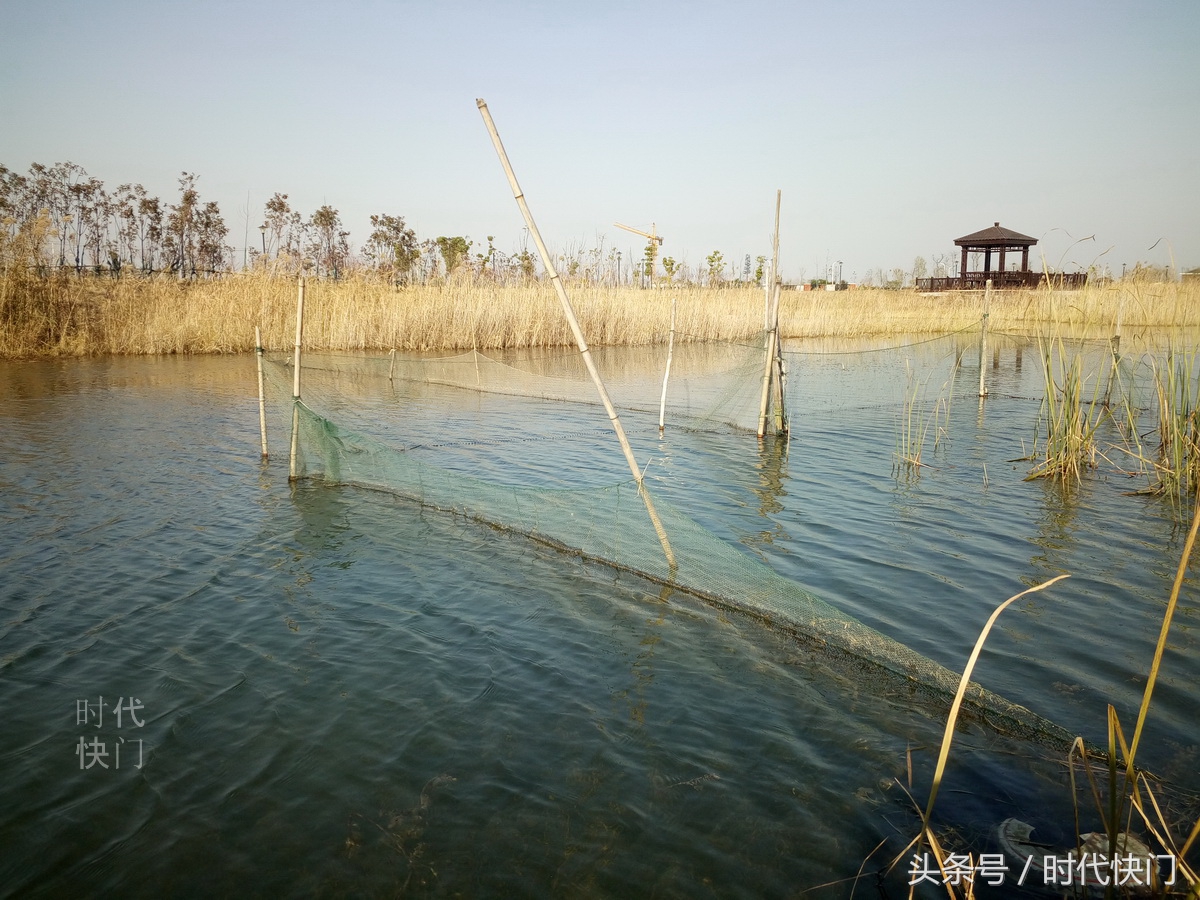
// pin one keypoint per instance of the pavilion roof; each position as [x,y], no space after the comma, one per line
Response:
[996,237]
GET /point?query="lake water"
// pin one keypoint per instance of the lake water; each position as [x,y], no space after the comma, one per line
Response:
[323,690]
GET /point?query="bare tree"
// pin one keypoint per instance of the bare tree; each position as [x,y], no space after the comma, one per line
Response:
[328,244]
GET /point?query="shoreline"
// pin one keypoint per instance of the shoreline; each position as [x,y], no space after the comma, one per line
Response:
[72,316]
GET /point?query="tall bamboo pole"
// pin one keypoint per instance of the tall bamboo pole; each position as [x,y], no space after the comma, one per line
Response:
[781,424]
[773,332]
[292,473]
[573,322]
[262,400]
[987,305]
[662,404]
[768,282]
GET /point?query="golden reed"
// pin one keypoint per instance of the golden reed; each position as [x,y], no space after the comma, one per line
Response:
[64,314]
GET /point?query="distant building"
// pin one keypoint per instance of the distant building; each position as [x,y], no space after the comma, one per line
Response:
[1001,241]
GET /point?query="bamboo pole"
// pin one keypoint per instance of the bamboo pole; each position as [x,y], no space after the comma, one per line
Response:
[573,322]
[768,281]
[773,332]
[987,302]
[764,405]
[262,400]
[781,424]
[292,473]
[662,404]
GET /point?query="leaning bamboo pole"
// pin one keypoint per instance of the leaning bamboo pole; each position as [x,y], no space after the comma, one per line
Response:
[262,400]
[573,322]
[292,471]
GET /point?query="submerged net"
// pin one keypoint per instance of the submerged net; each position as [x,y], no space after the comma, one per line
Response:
[354,429]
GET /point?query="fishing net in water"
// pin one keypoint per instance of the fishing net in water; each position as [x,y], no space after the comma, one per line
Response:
[351,430]
[715,384]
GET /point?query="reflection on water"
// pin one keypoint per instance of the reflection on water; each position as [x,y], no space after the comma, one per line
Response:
[347,694]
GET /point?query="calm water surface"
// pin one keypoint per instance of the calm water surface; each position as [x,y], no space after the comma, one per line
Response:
[326,690]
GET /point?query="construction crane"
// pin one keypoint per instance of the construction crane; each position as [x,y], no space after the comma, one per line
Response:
[655,241]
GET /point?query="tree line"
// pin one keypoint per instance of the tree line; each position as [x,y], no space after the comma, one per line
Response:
[59,217]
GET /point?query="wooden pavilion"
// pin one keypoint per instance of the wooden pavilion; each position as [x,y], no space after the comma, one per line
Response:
[1001,241]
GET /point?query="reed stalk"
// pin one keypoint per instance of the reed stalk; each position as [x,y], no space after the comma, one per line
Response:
[1129,789]
[926,833]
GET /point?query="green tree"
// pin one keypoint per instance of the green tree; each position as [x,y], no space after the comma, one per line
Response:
[716,267]
[671,267]
[649,256]
[392,248]
[454,251]
[487,261]
[525,265]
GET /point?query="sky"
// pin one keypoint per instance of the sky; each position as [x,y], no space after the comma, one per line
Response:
[890,128]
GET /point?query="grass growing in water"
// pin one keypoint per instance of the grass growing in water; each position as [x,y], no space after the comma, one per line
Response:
[916,421]
[1177,389]
[1070,420]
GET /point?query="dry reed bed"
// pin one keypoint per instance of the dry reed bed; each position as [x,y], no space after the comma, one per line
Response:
[66,315]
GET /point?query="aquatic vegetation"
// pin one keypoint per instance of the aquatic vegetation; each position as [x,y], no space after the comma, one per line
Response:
[1177,389]
[918,420]
[1068,421]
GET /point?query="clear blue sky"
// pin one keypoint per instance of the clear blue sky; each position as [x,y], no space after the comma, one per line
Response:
[891,128]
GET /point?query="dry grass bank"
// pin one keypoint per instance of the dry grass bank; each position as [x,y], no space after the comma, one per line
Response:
[1091,312]
[68,315]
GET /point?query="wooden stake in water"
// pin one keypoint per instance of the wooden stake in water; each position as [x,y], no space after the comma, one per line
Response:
[781,425]
[292,473]
[662,405]
[573,322]
[772,348]
[987,302]
[262,400]
[392,364]
[1115,345]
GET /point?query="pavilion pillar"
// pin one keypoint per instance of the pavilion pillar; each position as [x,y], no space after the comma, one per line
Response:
[1024,259]
[1002,249]
[987,261]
